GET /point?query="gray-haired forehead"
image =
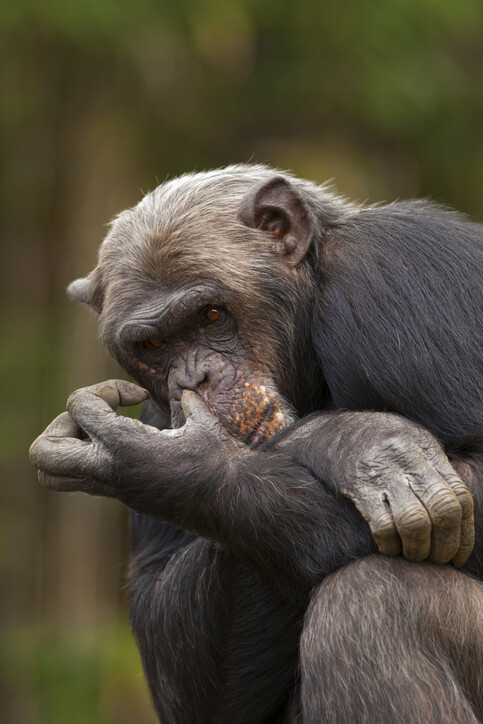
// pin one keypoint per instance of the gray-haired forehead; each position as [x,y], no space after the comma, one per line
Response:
[208,193]
[184,202]
[185,229]
[189,226]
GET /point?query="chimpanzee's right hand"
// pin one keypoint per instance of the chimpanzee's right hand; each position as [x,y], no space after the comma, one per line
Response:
[90,448]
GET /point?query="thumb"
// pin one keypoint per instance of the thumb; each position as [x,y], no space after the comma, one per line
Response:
[196,409]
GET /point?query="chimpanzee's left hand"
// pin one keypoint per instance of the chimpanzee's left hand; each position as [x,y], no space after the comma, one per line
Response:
[397,475]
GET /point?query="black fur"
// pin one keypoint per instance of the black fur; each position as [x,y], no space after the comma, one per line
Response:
[398,317]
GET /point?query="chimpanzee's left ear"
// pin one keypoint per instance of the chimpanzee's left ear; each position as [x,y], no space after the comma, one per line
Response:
[275,206]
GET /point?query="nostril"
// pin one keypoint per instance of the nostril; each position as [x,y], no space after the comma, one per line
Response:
[204,382]
[185,381]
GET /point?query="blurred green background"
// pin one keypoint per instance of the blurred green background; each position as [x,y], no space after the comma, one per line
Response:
[100,101]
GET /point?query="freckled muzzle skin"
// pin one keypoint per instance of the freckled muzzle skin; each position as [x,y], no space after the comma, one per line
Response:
[252,413]
[238,392]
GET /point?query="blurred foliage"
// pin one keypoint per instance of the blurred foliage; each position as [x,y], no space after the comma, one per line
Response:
[100,99]
[74,679]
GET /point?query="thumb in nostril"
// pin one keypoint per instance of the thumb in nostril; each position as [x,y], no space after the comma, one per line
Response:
[192,381]
[189,401]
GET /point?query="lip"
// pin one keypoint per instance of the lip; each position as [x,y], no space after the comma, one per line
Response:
[262,430]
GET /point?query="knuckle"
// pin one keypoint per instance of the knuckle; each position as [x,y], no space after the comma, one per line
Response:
[34,451]
[75,398]
[383,529]
[414,521]
[446,510]
[465,500]
[40,450]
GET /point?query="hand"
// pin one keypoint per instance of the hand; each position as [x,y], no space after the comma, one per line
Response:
[398,477]
[92,449]
[413,499]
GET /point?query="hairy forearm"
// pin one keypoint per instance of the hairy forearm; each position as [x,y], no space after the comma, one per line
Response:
[263,507]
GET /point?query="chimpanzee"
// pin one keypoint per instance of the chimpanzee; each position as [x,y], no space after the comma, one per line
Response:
[307,362]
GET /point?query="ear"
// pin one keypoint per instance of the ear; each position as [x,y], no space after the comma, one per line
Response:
[87,291]
[275,206]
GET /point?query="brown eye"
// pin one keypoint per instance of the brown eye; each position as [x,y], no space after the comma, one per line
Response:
[153,343]
[211,315]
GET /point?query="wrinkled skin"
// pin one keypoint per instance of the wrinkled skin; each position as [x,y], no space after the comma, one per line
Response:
[399,478]
[242,398]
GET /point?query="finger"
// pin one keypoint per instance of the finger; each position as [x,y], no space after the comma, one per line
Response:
[444,510]
[412,523]
[381,522]
[63,455]
[66,483]
[120,392]
[63,426]
[62,483]
[198,415]
[196,409]
[467,543]
[465,500]
[93,407]
[193,405]
[467,540]
[117,393]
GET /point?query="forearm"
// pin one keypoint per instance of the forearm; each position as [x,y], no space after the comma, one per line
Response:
[263,507]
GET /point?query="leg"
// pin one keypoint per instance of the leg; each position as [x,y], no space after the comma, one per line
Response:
[219,642]
[390,641]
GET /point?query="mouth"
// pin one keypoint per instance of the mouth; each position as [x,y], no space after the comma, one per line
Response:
[262,429]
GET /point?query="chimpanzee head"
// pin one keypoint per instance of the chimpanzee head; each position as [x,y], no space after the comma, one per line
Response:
[207,284]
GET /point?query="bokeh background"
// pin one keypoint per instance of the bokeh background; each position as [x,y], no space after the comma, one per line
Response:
[100,101]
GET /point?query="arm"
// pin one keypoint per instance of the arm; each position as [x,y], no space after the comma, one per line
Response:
[265,505]
[244,628]
[265,508]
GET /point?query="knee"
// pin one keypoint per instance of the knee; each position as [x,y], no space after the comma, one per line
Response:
[372,633]
[351,604]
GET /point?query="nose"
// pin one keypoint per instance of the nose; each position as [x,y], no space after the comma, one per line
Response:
[187,378]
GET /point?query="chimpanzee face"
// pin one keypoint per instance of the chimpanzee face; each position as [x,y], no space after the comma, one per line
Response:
[190,339]
[196,289]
